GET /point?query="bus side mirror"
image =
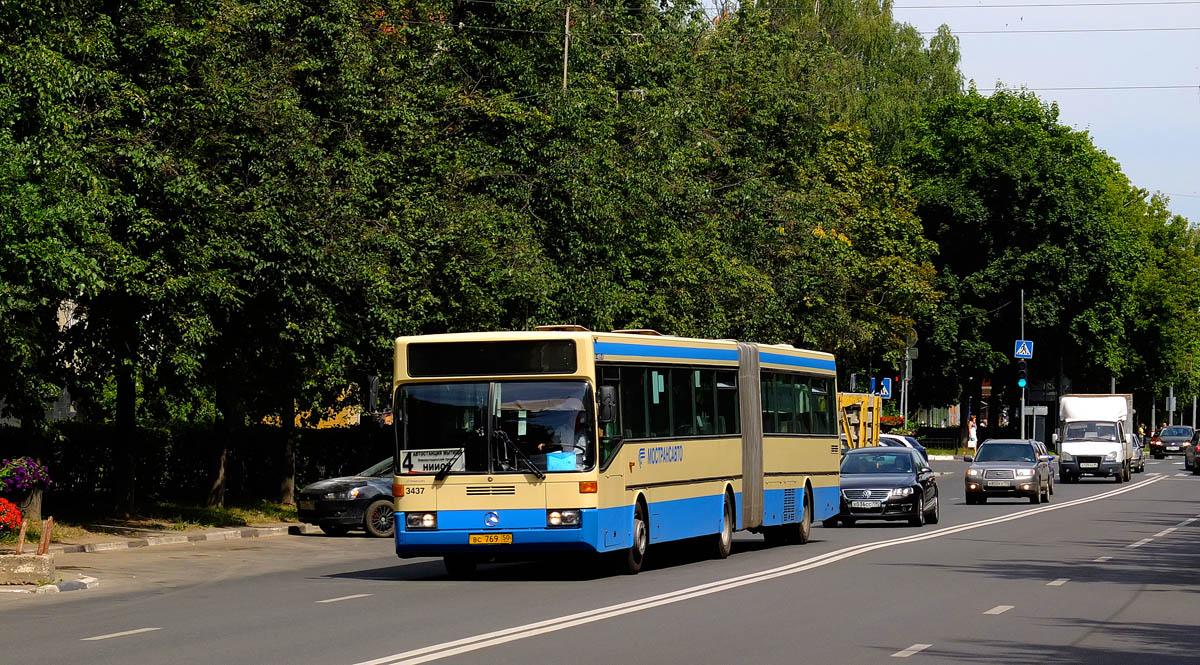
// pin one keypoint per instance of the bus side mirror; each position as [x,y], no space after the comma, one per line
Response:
[608,404]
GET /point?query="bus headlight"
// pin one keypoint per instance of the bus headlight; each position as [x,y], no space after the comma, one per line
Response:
[562,518]
[420,520]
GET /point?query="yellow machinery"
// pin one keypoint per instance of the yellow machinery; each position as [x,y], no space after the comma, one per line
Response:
[858,415]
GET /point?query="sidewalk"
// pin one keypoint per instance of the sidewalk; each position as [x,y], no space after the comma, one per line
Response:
[139,538]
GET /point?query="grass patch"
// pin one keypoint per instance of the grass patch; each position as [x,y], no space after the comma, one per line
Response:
[33,534]
[183,516]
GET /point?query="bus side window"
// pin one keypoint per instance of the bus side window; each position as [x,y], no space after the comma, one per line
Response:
[705,403]
[634,398]
[727,403]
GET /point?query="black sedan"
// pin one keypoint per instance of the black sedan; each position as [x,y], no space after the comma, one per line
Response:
[363,502]
[883,483]
[1172,440]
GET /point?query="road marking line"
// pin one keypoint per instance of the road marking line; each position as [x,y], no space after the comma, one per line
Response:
[911,650]
[1101,559]
[999,609]
[121,634]
[485,640]
[1059,582]
[334,600]
[1182,475]
[1139,543]
[1164,532]
[1187,521]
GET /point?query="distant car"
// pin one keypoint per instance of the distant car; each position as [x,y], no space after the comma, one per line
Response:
[1191,456]
[1171,441]
[1008,468]
[1137,463]
[887,483]
[905,441]
[363,501]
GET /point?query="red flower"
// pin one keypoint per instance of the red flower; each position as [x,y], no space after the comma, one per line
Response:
[10,517]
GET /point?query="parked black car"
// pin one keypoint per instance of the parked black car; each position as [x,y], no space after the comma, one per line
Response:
[887,483]
[363,501]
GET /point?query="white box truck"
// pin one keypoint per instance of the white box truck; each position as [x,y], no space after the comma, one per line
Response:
[1092,437]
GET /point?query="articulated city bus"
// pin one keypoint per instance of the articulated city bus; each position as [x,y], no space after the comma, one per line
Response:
[512,444]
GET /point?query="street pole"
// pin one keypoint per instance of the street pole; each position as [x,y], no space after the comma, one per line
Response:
[566,44]
[1171,405]
[1022,387]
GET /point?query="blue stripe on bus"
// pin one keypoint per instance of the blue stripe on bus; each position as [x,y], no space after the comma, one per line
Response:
[797,361]
[657,351]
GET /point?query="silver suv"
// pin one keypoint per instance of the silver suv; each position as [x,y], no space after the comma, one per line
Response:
[1009,468]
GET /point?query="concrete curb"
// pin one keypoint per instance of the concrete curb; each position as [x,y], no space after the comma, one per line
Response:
[944,458]
[84,582]
[184,538]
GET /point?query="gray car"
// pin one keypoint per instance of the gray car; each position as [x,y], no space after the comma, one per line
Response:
[1008,468]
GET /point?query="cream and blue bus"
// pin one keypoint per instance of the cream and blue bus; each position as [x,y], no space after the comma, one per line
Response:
[513,444]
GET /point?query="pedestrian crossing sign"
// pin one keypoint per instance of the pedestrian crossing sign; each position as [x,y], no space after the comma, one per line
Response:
[1023,349]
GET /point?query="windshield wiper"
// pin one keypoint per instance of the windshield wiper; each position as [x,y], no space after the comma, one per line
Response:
[519,454]
[442,472]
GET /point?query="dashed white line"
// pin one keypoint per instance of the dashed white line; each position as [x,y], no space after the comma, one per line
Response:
[1164,532]
[999,609]
[334,600]
[911,650]
[1139,543]
[1182,475]
[121,634]
[1101,559]
[1187,521]
[1059,582]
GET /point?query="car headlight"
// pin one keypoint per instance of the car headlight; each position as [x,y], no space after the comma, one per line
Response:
[901,492]
[562,518]
[420,520]
[347,494]
[1111,457]
[972,473]
[1024,473]
[1066,457]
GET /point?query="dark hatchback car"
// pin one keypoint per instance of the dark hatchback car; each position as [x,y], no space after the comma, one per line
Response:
[363,501]
[1172,440]
[887,483]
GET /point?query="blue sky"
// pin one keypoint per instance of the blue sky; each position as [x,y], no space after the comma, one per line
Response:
[1153,133]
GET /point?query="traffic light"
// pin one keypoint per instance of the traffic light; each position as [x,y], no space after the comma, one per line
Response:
[1022,373]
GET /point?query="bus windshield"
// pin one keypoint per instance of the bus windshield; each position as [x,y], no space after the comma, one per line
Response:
[545,425]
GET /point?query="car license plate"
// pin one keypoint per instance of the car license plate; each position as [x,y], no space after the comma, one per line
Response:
[999,483]
[1088,465]
[490,539]
[865,504]
[308,505]
[1172,447]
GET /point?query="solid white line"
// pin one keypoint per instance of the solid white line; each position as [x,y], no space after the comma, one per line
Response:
[334,600]
[999,609]
[1182,475]
[482,641]
[1187,521]
[911,650]
[1101,559]
[1059,582]
[1164,532]
[1139,543]
[121,634]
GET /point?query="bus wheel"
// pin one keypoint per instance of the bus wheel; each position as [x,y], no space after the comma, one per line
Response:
[803,530]
[635,556]
[722,542]
[460,566]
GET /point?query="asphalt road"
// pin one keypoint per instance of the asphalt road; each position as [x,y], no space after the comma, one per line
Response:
[1105,573]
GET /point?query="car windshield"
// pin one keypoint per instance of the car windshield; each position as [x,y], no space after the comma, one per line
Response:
[881,462]
[1006,452]
[1091,431]
[542,425]
[1177,431]
[381,470]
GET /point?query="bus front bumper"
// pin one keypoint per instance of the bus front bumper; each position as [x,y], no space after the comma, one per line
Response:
[599,531]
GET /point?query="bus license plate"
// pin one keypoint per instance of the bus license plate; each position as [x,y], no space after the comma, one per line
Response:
[1088,465]
[999,483]
[490,539]
[865,504]
[308,505]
